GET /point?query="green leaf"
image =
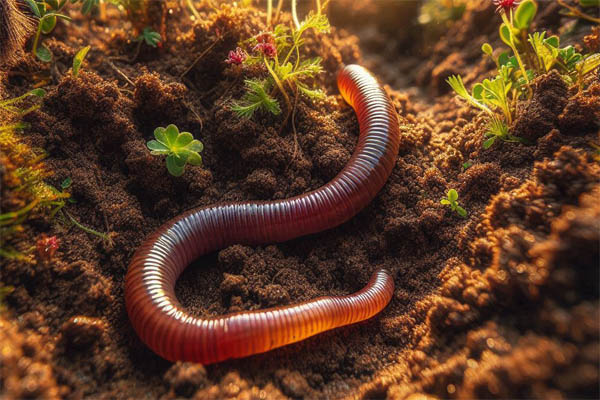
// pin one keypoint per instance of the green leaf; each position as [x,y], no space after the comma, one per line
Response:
[477,91]
[78,60]
[183,139]
[445,201]
[489,142]
[66,183]
[195,146]
[589,3]
[524,15]
[256,98]
[34,8]
[452,195]
[552,41]
[151,37]
[487,49]
[159,134]
[505,34]
[588,64]
[173,166]
[194,159]
[43,54]
[171,134]
[39,92]
[47,23]
[461,211]
[157,147]
[503,58]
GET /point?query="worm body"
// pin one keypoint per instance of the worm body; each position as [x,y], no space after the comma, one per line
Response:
[170,331]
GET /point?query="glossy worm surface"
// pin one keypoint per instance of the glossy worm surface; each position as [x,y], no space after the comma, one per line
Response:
[168,329]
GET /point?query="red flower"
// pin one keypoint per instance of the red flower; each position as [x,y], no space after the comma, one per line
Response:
[236,57]
[47,246]
[506,5]
[267,49]
[266,44]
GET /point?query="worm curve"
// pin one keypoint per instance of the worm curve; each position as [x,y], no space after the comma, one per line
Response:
[169,330]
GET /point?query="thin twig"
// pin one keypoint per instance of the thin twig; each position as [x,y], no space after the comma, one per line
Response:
[188,69]
[113,66]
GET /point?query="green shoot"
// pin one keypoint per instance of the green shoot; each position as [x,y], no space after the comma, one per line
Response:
[104,236]
[180,148]
[456,82]
[451,200]
[8,104]
[150,37]
[48,13]
[78,60]
[256,98]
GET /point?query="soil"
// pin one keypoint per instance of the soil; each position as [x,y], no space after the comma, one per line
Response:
[502,303]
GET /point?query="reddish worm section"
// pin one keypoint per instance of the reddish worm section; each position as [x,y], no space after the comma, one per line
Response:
[169,330]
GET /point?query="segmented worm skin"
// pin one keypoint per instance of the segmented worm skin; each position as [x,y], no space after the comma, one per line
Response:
[170,331]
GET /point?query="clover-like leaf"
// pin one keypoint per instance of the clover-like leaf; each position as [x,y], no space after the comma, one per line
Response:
[180,148]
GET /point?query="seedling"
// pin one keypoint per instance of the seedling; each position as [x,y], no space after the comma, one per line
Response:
[150,37]
[180,148]
[78,60]
[451,200]
[48,13]
[279,53]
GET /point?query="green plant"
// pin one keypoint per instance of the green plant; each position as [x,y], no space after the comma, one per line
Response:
[288,71]
[48,13]
[150,37]
[78,59]
[451,200]
[497,129]
[532,55]
[8,105]
[180,148]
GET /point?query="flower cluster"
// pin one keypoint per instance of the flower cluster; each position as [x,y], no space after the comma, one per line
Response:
[506,5]
[236,56]
[266,45]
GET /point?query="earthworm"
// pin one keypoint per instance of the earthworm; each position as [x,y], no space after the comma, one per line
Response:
[169,330]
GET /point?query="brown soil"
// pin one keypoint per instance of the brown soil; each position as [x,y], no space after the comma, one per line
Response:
[503,303]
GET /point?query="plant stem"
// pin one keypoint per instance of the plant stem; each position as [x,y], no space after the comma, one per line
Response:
[514,48]
[278,82]
[295,15]
[318,7]
[190,5]
[37,38]
[269,11]
[578,13]
[104,236]
[278,10]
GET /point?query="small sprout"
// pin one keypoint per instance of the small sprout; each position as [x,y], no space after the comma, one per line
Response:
[466,165]
[150,37]
[48,14]
[180,148]
[78,60]
[46,247]
[451,200]
[236,56]
[66,183]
